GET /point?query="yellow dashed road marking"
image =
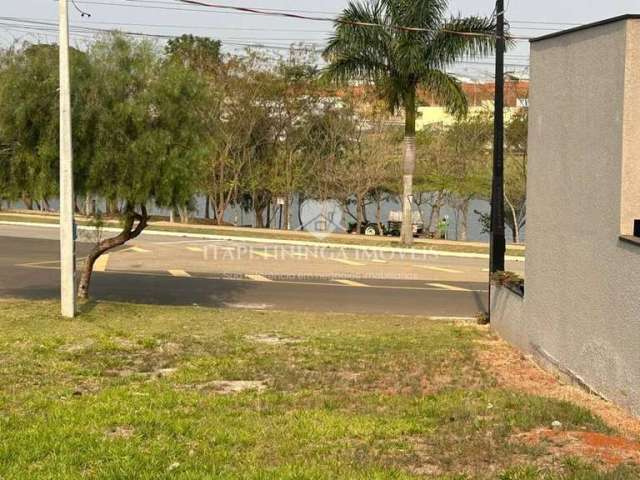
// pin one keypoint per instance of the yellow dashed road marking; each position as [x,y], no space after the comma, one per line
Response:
[195,249]
[439,269]
[379,261]
[448,287]
[347,262]
[351,283]
[179,273]
[258,278]
[101,263]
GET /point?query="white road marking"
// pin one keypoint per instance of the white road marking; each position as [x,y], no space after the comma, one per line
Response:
[101,263]
[439,269]
[258,278]
[347,262]
[195,249]
[448,287]
[351,283]
[485,269]
[262,254]
[179,273]
[136,249]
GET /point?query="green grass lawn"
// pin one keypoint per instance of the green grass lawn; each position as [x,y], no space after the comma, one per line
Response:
[137,392]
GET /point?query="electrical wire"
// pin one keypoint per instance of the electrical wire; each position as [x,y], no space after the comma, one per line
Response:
[291,14]
[82,12]
[50,26]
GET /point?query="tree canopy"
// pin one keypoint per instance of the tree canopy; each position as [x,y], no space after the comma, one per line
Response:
[416,44]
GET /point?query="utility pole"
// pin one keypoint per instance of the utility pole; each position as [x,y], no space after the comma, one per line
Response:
[67,241]
[497,237]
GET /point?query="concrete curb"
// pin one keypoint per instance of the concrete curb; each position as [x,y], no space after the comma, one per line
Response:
[412,251]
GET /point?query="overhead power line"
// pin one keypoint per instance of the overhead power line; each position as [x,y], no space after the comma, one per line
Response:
[167,5]
[88,33]
[291,14]
[338,20]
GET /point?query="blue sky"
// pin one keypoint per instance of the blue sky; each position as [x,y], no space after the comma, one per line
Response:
[239,28]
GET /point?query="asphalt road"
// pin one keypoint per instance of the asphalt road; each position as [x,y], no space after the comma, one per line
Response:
[165,271]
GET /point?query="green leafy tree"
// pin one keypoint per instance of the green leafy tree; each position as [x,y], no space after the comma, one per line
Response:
[240,130]
[296,103]
[203,55]
[515,186]
[29,120]
[199,53]
[515,194]
[149,135]
[434,174]
[469,145]
[399,61]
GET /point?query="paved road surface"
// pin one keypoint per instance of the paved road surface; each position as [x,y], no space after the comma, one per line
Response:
[170,270]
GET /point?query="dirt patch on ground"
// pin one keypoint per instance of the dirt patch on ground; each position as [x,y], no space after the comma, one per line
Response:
[607,450]
[125,431]
[132,359]
[272,339]
[227,387]
[513,370]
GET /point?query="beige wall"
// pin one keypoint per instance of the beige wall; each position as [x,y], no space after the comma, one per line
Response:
[507,316]
[582,303]
[630,193]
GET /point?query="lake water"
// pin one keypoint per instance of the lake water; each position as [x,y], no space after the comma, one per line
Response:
[237,216]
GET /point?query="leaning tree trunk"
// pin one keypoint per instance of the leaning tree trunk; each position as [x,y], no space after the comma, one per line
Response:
[515,230]
[408,167]
[128,232]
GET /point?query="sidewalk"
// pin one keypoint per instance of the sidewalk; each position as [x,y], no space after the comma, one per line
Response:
[214,232]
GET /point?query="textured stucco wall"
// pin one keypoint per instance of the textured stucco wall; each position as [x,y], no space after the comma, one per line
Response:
[582,302]
[630,194]
[507,317]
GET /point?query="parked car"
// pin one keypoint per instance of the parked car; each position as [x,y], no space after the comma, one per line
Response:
[367,228]
[392,228]
[394,225]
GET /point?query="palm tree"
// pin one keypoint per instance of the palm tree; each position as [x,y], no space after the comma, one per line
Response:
[399,60]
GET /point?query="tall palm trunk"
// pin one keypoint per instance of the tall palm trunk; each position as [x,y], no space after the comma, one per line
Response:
[408,166]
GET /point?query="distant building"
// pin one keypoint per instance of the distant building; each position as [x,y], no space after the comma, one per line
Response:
[480,97]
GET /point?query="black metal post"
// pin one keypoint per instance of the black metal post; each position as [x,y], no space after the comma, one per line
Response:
[497,236]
